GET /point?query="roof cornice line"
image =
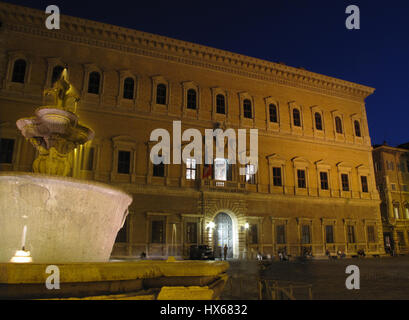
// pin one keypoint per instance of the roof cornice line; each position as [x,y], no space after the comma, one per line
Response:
[129,40]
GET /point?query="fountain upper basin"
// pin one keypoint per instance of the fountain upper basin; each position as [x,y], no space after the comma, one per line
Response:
[68,220]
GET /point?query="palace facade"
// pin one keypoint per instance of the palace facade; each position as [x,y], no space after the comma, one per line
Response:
[314,188]
[392,178]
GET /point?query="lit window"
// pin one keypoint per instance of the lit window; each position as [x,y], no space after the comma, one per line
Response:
[250,174]
[190,169]
[220,169]
[296,118]
[19,71]
[129,87]
[191,99]
[93,82]
[247,109]
[396,210]
[407,211]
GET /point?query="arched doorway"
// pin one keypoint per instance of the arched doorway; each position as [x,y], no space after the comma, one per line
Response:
[223,235]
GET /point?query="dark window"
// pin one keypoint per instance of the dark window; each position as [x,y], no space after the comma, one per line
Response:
[407,165]
[159,170]
[338,125]
[19,71]
[191,99]
[329,234]
[401,238]
[161,94]
[305,234]
[124,162]
[345,182]
[364,183]
[93,82]
[357,128]
[229,172]
[318,121]
[296,118]
[87,162]
[371,233]
[158,232]
[191,232]
[351,234]
[129,87]
[247,109]
[324,180]
[220,104]
[301,178]
[6,150]
[273,113]
[122,235]
[57,70]
[280,234]
[253,236]
[277,177]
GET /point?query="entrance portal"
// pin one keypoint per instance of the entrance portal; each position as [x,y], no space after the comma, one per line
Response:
[223,235]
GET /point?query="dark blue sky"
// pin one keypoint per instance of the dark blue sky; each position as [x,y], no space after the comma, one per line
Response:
[301,33]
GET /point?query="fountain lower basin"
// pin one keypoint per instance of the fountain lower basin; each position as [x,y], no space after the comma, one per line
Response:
[68,220]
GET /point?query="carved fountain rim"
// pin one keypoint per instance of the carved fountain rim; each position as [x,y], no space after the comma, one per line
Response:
[50,178]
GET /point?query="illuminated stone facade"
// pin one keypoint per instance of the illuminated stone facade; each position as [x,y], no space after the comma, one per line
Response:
[392,178]
[314,143]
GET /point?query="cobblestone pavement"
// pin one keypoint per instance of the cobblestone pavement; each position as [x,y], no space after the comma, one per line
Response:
[380,278]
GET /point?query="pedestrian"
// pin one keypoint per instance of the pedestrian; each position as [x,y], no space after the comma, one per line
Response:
[225,251]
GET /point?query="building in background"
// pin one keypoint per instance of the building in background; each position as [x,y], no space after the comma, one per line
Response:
[392,178]
[314,189]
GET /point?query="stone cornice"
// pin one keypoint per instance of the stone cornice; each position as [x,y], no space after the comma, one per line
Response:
[31,21]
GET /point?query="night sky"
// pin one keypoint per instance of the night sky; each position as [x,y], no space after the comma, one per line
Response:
[308,33]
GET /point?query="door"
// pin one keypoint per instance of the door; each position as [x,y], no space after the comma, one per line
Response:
[223,235]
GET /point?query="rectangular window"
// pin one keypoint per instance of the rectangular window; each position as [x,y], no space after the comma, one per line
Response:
[405,188]
[253,236]
[158,231]
[301,178]
[407,212]
[6,150]
[191,232]
[345,182]
[393,186]
[87,162]
[370,230]
[280,234]
[401,238]
[305,234]
[190,169]
[324,180]
[396,211]
[277,177]
[220,169]
[364,184]
[329,234]
[124,162]
[250,174]
[407,165]
[351,234]
[158,170]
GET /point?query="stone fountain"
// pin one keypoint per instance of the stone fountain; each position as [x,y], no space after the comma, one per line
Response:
[48,218]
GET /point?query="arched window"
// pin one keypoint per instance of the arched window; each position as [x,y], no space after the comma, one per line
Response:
[318,121]
[296,117]
[338,125]
[93,82]
[357,128]
[191,99]
[57,70]
[161,94]
[19,71]
[273,112]
[129,87]
[247,109]
[220,104]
